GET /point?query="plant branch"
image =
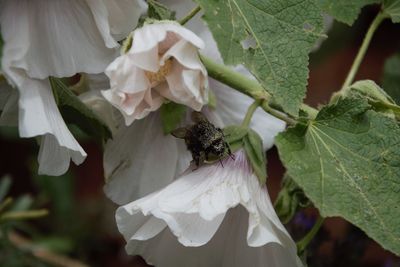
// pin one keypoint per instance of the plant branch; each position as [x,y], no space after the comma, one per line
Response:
[303,243]
[363,49]
[244,85]
[250,111]
[42,253]
[190,15]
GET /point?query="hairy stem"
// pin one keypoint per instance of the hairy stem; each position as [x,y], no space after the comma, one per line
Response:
[190,15]
[363,49]
[244,85]
[303,243]
[250,111]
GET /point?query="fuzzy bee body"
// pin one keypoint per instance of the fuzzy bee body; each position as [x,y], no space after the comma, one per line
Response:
[203,139]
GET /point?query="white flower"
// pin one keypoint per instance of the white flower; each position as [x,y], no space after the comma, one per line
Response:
[162,63]
[45,38]
[205,208]
[142,159]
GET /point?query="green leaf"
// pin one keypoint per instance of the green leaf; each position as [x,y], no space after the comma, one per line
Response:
[5,184]
[391,77]
[347,161]
[235,133]
[256,155]
[376,96]
[290,199]
[345,11]
[171,116]
[76,112]
[158,11]
[271,38]
[392,8]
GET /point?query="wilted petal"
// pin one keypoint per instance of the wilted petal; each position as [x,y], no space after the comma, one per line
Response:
[162,63]
[139,160]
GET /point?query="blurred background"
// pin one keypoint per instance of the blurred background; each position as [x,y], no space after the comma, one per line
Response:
[80,230]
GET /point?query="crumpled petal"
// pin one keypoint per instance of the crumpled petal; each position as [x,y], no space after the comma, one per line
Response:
[58,38]
[194,206]
[140,159]
[162,62]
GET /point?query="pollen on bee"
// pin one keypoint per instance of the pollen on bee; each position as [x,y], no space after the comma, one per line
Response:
[155,78]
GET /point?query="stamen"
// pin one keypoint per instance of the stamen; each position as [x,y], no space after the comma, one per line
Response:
[158,77]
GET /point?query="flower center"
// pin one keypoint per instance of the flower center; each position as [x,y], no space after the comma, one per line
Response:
[158,77]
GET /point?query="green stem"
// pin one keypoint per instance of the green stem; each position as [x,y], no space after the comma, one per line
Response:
[6,203]
[244,85]
[189,16]
[23,215]
[363,49]
[250,111]
[303,243]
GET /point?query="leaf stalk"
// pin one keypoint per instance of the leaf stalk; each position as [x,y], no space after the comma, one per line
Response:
[244,85]
[190,15]
[363,49]
[250,111]
[303,243]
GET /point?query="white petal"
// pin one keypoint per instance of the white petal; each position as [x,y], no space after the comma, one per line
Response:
[232,107]
[124,16]
[139,160]
[56,38]
[39,115]
[194,206]
[185,87]
[115,19]
[228,248]
[150,35]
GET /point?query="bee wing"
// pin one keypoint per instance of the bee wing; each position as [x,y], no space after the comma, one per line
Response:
[180,132]
[198,117]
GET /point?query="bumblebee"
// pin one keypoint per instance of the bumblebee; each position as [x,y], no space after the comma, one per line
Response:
[203,140]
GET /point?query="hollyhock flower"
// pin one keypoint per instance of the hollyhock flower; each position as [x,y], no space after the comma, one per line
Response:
[141,159]
[58,38]
[200,220]
[161,64]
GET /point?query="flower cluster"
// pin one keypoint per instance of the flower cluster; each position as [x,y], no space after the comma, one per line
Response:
[172,215]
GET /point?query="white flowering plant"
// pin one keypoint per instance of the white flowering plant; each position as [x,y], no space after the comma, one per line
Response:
[186,98]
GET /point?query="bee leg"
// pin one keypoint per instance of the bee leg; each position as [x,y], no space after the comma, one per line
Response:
[232,156]
[220,161]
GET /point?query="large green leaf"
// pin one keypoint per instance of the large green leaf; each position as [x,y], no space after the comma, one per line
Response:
[345,11]
[76,112]
[348,163]
[392,8]
[271,38]
[391,77]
